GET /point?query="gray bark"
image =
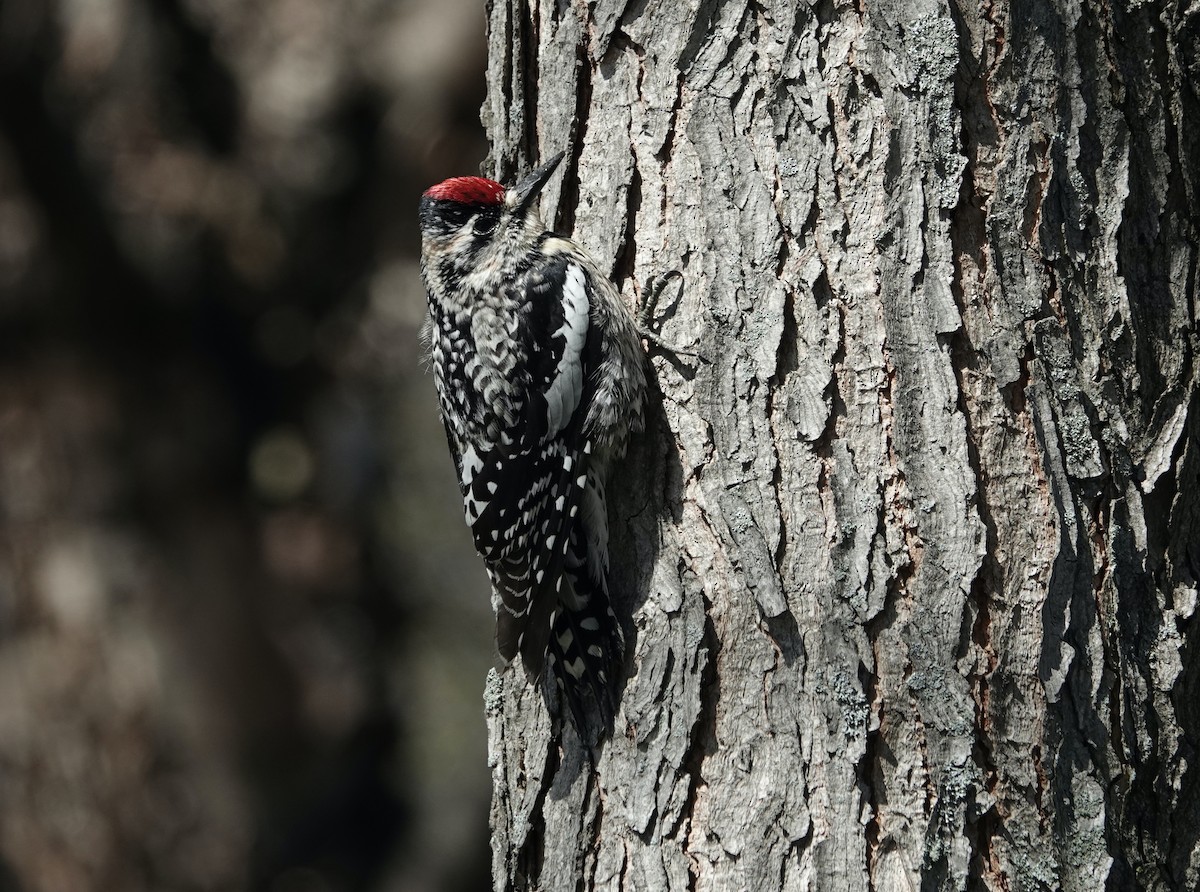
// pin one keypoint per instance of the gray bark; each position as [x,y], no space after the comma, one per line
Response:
[910,560]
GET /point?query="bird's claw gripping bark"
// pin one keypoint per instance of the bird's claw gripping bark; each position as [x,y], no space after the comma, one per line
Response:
[651,292]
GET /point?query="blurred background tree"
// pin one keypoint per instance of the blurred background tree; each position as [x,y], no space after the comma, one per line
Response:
[241,642]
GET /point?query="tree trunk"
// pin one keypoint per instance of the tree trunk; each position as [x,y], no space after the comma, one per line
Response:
[910,557]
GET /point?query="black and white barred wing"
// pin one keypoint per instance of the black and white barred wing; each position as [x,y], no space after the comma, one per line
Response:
[536,503]
[512,500]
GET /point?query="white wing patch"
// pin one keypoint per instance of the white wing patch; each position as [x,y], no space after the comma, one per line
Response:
[471,465]
[567,386]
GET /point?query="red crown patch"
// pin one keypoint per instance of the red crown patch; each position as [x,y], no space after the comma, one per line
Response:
[467,190]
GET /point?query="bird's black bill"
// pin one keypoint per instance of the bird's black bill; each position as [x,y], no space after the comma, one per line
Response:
[528,189]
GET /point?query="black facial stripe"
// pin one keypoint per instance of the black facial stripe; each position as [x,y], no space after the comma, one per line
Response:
[441,217]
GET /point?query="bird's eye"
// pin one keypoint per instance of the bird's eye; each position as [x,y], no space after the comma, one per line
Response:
[484,224]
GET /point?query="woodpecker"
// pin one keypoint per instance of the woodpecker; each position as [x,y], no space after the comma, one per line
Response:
[540,376]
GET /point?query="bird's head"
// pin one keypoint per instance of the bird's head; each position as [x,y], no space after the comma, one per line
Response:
[463,219]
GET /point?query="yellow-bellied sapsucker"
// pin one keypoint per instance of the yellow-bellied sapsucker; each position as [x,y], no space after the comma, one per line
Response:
[539,372]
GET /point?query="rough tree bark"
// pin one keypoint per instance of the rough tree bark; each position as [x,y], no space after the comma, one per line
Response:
[911,558]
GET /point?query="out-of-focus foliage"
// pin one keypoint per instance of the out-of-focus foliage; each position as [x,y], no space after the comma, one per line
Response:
[242,641]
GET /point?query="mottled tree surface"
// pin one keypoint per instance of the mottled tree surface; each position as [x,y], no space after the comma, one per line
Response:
[910,559]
